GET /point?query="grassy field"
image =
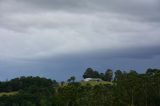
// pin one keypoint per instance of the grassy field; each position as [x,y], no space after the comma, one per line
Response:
[93,83]
[8,93]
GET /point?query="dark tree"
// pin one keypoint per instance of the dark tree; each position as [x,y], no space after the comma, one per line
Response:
[88,73]
[108,75]
[73,78]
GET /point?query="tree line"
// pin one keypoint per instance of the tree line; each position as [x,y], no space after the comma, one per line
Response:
[128,88]
[25,82]
[90,73]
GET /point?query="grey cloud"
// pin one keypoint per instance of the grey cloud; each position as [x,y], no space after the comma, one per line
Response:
[143,10]
[38,28]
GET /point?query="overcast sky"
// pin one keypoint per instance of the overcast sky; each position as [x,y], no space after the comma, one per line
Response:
[60,38]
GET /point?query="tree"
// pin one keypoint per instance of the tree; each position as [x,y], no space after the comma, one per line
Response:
[95,74]
[152,71]
[118,75]
[101,75]
[62,83]
[108,75]
[71,79]
[88,73]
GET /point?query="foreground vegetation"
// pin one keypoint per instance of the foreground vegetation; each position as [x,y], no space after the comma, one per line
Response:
[8,93]
[126,89]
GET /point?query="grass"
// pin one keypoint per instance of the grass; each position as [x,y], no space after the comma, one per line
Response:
[93,83]
[8,93]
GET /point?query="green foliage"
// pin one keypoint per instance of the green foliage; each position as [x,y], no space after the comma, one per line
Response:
[127,89]
[30,91]
[75,94]
[90,73]
[108,75]
[24,82]
[71,79]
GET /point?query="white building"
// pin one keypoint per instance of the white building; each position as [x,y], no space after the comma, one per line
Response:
[92,79]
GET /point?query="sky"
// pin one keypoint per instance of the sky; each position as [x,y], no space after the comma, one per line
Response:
[60,38]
